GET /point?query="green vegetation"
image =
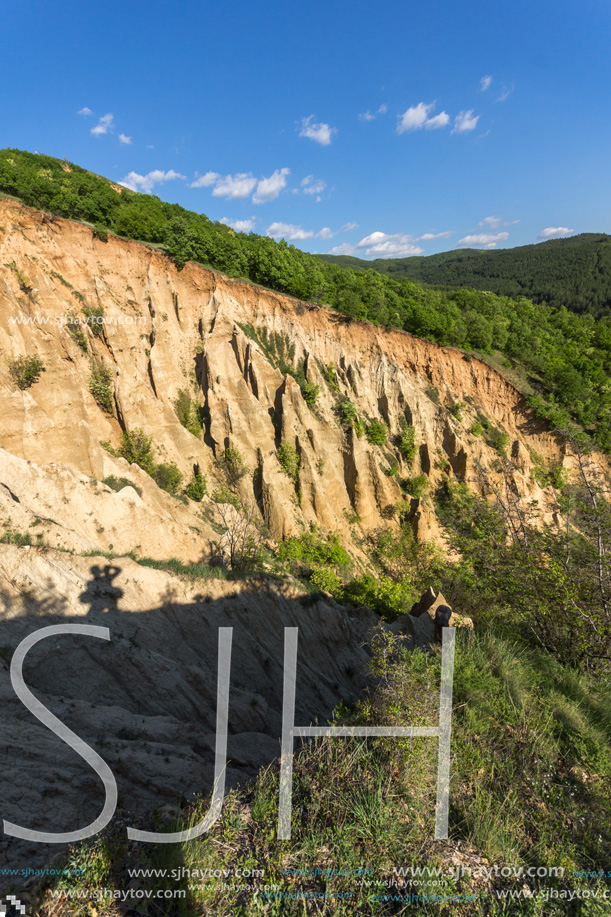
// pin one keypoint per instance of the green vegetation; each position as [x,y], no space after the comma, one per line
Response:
[119,483]
[574,272]
[189,413]
[94,316]
[307,553]
[73,324]
[567,356]
[377,432]
[100,385]
[406,442]
[168,477]
[290,460]
[137,448]
[232,466]
[25,371]
[417,486]
[346,412]
[197,487]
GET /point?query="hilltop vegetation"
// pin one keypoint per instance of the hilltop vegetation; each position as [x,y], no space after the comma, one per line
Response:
[569,354]
[574,272]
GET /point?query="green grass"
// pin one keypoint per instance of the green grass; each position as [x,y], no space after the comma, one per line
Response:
[364,806]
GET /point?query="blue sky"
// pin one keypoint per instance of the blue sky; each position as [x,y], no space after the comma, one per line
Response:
[412,128]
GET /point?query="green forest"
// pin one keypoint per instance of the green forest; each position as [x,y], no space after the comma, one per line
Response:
[574,272]
[566,356]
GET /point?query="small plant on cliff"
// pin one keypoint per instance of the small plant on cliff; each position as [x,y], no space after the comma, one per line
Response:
[188,413]
[455,408]
[197,487]
[73,324]
[232,466]
[377,432]
[168,477]
[95,319]
[312,551]
[310,392]
[137,448]
[118,484]
[25,371]
[346,412]
[242,534]
[417,486]
[406,442]
[100,385]
[290,460]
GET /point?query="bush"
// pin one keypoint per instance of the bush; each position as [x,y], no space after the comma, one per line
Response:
[310,392]
[168,477]
[73,324]
[417,486]
[304,554]
[456,408]
[289,460]
[406,442]
[136,448]
[119,483]
[476,428]
[95,319]
[232,466]
[377,432]
[197,488]
[100,385]
[25,371]
[188,413]
[346,411]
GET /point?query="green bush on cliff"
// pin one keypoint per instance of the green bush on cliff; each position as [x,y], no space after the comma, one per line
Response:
[25,371]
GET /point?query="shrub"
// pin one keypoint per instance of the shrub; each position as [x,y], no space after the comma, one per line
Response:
[330,377]
[417,486]
[289,460]
[197,487]
[406,442]
[188,413]
[25,371]
[232,466]
[346,411]
[310,392]
[168,477]
[95,319]
[73,324]
[119,483]
[377,432]
[100,385]
[136,447]
[432,393]
[456,408]
[476,428]
[304,554]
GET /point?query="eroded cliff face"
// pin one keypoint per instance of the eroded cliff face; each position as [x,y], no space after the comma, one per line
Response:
[165,330]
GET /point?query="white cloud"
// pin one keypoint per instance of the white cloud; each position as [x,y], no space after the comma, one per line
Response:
[289,232]
[146,183]
[344,249]
[268,189]
[429,236]
[437,121]
[240,225]
[85,111]
[505,93]
[511,223]
[124,139]
[320,133]
[105,124]
[311,185]
[483,238]
[417,117]
[348,227]
[234,187]
[372,115]
[555,232]
[204,181]
[465,121]
[325,233]
[484,83]
[491,222]
[385,245]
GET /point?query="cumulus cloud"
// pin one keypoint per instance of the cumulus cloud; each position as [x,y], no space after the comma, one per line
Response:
[311,185]
[429,236]
[325,233]
[348,227]
[85,111]
[483,238]
[417,117]
[234,187]
[146,183]
[125,140]
[465,121]
[240,225]
[105,124]
[372,115]
[204,181]
[344,249]
[320,133]
[268,189]
[289,232]
[555,232]
[484,83]
[490,222]
[385,245]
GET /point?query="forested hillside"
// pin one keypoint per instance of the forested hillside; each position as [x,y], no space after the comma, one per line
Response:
[570,354]
[574,272]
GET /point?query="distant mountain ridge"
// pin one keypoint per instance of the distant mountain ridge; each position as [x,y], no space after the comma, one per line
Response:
[573,272]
